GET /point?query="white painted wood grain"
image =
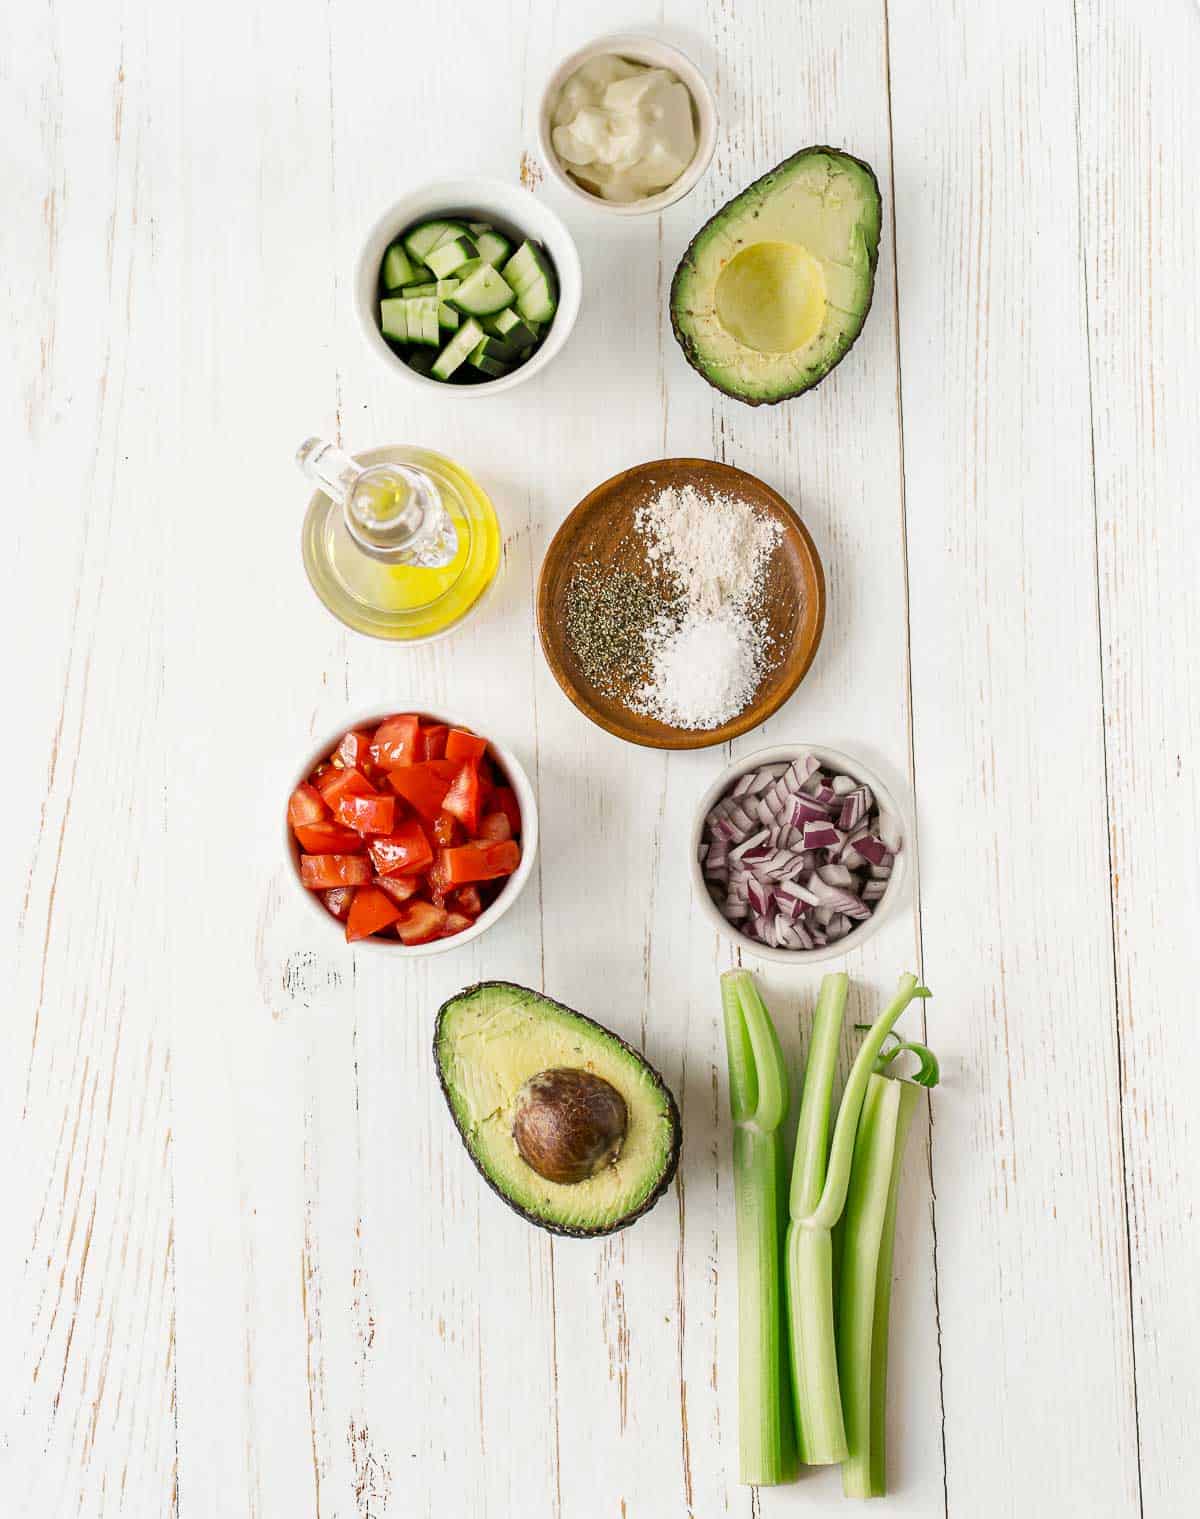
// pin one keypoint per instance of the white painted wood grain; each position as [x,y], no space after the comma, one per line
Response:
[249,1270]
[1008,734]
[1139,118]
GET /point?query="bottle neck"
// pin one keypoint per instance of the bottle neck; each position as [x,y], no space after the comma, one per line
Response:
[331,467]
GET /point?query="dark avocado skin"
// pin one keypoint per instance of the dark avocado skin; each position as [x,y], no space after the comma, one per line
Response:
[688,261]
[672,1165]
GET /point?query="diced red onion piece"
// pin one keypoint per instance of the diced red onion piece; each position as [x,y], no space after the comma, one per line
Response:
[820,836]
[835,875]
[871,848]
[752,842]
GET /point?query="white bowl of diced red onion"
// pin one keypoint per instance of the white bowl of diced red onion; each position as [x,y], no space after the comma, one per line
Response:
[797,852]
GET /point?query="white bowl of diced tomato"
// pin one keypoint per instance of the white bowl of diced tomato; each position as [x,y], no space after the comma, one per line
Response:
[412,832]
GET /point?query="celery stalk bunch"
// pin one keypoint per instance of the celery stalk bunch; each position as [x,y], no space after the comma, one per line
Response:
[836,1292]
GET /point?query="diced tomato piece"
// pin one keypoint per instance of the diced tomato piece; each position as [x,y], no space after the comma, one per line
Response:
[354,751]
[504,799]
[463,798]
[306,805]
[399,888]
[481,862]
[438,874]
[404,851]
[469,900]
[338,900]
[424,786]
[345,783]
[494,827]
[396,742]
[455,923]
[367,814]
[421,922]
[448,830]
[433,741]
[328,838]
[320,871]
[370,911]
[462,744]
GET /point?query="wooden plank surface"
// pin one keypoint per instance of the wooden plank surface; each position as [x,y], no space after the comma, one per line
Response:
[248,1269]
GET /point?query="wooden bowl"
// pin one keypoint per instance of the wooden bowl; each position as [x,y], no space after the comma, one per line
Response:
[601,530]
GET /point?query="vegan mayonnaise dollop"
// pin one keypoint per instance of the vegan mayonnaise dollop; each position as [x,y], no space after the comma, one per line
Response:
[623,130]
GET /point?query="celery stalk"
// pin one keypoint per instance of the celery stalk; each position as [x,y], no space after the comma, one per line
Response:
[818,1196]
[867,1235]
[758,1092]
[809,1263]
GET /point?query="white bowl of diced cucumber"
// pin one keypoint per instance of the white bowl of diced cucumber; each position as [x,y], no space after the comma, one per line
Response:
[469,286]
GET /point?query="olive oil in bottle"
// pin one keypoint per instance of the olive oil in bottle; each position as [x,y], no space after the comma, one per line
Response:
[399,542]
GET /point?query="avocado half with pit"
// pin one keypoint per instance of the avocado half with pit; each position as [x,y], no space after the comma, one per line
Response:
[569,1124]
[774,289]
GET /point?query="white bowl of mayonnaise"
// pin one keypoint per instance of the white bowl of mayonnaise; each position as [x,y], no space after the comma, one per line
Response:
[627,124]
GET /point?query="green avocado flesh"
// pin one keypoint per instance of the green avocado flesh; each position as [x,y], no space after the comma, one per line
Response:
[490,1039]
[774,289]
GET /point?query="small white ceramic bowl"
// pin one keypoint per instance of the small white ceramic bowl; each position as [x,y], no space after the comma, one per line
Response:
[515,212]
[830,759]
[508,765]
[637,49]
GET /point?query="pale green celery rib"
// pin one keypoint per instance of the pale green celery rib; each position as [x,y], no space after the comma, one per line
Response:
[809,1265]
[818,1196]
[868,1233]
[758,1090]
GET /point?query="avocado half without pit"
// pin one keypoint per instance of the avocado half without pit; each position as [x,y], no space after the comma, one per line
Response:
[774,289]
[572,1127]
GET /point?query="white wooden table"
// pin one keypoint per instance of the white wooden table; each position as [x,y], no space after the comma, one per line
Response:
[246,1267]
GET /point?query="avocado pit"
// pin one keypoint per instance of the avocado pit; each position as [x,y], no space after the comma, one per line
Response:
[568,1124]
[771,297]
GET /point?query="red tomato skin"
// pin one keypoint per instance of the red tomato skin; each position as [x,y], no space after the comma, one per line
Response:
[370,911]
[345,783]
[306,805]
[337,900]
[448,830]
[467,900]
[396,741]
[462,744]
[433,741]
[421,922]
[399,888]
[424,786]
[405,851]
[481,862]
[504,799]
[463,800]
[354,750]
[367,814]
[328,838]
[320,871]
[494,828]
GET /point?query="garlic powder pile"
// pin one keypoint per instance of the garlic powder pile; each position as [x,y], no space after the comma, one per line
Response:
[708,651]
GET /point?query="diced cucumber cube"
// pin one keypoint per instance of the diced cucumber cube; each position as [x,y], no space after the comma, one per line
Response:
[425,236]
[493,368]
[483,293]
[539,300]
[509,326]
[475,228]
[452,229]
[448,318]
[415,292]
[397,268]
[494,248]
[495,348]
[393,318]
[526,264]
[447,257]
[457,350]
[422,318]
